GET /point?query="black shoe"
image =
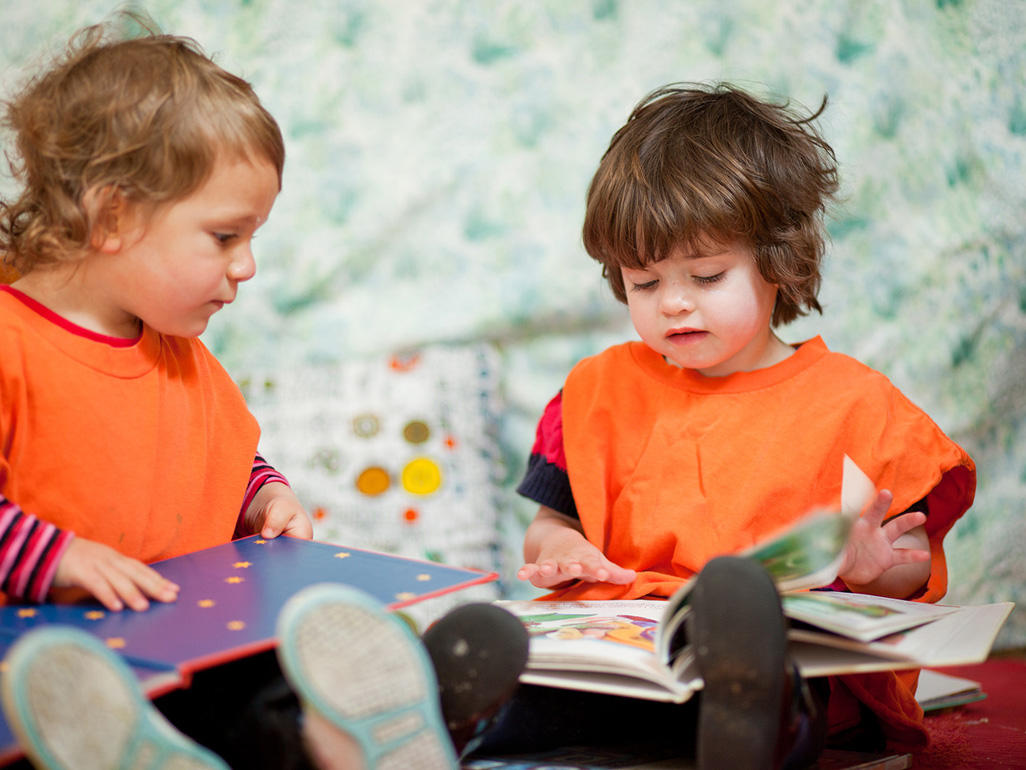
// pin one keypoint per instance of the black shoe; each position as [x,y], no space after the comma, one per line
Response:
[739,636]
[478,651]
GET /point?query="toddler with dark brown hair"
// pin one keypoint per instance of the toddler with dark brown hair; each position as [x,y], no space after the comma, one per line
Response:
[661,458]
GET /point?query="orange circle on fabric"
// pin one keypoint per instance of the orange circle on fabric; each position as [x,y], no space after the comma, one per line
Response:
[421,476]
[411,515]
[373,481]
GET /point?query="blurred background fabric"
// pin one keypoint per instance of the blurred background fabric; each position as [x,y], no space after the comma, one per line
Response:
[438,154]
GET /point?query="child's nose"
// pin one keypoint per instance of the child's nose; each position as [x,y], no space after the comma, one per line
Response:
[243,265]
[676,300]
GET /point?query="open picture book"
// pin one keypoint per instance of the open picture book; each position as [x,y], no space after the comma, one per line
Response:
[639,648]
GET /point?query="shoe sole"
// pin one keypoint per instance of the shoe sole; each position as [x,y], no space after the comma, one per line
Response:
[75,705]
[364,670]
[739,637]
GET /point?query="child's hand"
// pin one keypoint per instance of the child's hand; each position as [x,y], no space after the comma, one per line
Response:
[583,562]
[275,510]
[556,551]
[889,559]
[113,578]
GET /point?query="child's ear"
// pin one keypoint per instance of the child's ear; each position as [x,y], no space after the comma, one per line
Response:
[108,210]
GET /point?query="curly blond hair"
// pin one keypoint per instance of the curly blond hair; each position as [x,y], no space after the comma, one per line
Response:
[145,116]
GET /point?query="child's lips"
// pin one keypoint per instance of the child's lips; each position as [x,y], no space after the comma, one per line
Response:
[685,336]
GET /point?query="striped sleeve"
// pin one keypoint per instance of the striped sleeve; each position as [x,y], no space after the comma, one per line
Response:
[30,550]
[261,474]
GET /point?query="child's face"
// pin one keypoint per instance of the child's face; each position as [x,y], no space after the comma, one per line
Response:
[709,312]
[179,266]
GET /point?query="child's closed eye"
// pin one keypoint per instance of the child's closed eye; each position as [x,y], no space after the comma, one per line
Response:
[705,280]
[224,238]
[644,285]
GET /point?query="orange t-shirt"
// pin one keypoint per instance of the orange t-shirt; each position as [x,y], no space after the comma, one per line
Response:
[144,445]
[669,468]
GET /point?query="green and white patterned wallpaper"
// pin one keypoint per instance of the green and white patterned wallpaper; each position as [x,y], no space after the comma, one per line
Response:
[439,151]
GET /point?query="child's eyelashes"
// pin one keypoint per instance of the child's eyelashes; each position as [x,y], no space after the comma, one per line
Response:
[701,280]
[705,280]
[224,238]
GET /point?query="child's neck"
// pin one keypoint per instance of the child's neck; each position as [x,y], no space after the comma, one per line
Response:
[63,289]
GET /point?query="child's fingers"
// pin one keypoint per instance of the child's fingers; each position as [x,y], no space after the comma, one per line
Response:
[899,525]
[299,526]
[876,511]
[284,519]
[132,581]
[145,579]
[123,587]
[102,591]
[527,571]
[621,575]
[543,575]
[909,555]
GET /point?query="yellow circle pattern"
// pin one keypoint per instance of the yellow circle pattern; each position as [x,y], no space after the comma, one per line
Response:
[421,476]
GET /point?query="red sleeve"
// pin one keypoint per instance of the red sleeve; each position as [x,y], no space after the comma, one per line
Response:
[546,481]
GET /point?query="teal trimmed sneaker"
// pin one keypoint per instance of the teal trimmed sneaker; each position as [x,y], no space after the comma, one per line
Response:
[363,670]
[75,705]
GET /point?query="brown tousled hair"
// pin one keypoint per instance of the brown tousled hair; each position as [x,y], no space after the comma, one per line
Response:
[147,117]
[695,164]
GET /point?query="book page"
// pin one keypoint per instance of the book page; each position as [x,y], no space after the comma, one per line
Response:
[807,554]
[614,639]
[857,489]
[859,616]
[961,637]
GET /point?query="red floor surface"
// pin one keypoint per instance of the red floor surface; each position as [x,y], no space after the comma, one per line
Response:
[985,734]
